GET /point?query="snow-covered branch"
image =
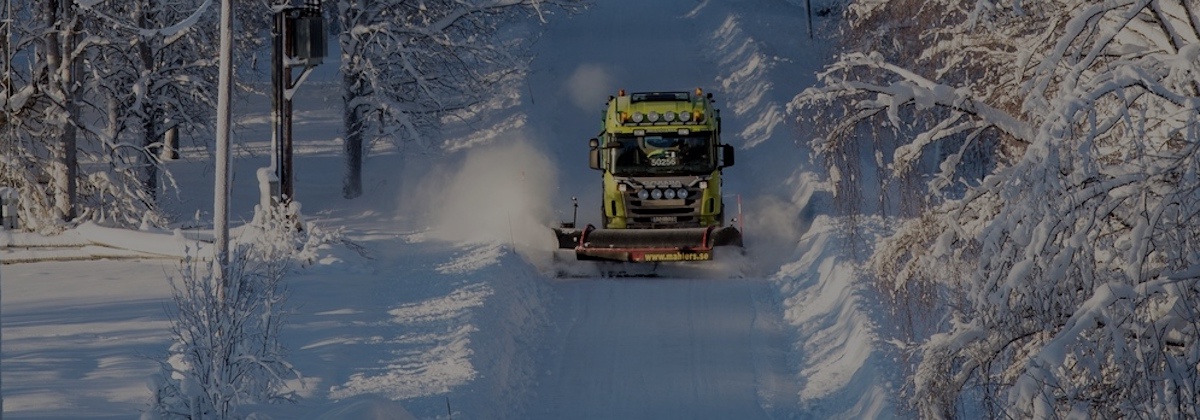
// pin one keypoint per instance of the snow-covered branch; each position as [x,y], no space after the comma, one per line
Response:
[1060,268]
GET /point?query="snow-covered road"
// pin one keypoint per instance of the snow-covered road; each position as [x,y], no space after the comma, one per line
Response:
[660,348]
[655,348]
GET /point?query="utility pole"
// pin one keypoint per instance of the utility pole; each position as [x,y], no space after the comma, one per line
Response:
[281,112]
[221,187]
[298,41]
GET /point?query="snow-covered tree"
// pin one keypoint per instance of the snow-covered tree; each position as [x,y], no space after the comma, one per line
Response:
[226,349]
[406,65]
[155,70]
[41,104]
[91,88]
[1069,269]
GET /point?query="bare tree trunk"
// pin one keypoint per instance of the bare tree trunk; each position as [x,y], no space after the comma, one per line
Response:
[60,45]
[352,90]
[150,139]
[150,134]
[170,147]
[352,183]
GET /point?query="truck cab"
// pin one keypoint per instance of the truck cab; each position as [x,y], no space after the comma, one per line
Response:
[661,157]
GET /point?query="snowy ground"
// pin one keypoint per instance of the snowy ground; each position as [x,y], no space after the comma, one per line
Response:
[443,304]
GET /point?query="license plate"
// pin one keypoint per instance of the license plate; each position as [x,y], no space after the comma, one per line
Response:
[664,219]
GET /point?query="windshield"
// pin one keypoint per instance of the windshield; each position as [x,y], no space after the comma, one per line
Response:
[663,154]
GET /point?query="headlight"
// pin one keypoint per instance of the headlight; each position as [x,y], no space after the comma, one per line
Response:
[669,194]
[682,193]
[653,116]
[669,116]
[643,194]
[685,116]
[657,194]
[638,117]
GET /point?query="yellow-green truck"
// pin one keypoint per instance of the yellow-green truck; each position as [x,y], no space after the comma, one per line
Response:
[661,159]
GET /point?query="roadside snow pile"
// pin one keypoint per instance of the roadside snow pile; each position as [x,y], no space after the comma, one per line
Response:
[90,241]
[746,82]
[843,371]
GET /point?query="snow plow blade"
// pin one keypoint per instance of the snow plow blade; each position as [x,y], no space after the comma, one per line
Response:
[647,245]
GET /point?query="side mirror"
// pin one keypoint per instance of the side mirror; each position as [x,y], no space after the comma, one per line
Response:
[594,158]
[594,153]
[726,155]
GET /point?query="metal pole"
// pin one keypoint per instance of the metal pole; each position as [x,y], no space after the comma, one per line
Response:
[286,182]
[276,88]
[284,106]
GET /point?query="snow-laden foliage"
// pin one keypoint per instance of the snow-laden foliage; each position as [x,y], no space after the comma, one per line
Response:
[282,231]
[1069,270]
[152,65]
[407,65]
[40,146]
[91,91]
[226,349]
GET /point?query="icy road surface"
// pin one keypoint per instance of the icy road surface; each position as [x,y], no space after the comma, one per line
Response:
[663,348]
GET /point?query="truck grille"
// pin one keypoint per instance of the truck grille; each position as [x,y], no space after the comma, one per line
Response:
[652,213]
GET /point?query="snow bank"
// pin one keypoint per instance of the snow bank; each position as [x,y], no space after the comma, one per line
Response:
[790,233]
[842,372]
[90,241]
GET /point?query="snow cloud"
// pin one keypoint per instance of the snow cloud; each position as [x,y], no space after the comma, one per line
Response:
[589,85]
[774,224]
[495,193]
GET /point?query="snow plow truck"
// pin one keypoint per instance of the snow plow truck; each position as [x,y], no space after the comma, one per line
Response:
[661,158]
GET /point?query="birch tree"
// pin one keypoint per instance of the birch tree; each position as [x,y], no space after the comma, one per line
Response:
[91,87]
[42,110]
[1068,271]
